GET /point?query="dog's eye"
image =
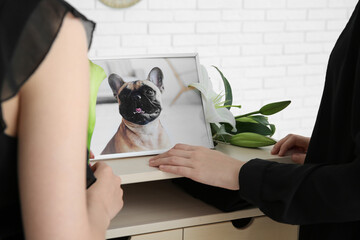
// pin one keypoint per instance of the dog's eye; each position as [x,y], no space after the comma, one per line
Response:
[150,92]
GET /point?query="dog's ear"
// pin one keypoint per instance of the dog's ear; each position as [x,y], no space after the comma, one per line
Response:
[156,76]
[115,82]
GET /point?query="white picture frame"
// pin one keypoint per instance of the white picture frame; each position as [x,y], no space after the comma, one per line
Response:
[182,115]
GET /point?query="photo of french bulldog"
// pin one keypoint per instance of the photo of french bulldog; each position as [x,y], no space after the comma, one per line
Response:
[145,106]
[140,106]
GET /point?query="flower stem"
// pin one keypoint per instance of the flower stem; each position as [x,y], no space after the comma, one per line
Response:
[226,106]
[247,114]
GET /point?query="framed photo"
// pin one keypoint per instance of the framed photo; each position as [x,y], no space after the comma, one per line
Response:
[144,106]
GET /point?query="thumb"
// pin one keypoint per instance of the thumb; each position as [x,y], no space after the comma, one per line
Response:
[298,158]
[94,167]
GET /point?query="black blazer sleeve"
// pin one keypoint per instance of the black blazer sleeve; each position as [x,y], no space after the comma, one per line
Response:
[304,194]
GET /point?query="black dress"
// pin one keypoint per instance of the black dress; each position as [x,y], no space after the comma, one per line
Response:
[323,195]
[27,31]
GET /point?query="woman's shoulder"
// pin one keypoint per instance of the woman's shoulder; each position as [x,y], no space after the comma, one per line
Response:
[28,30]
[16,15]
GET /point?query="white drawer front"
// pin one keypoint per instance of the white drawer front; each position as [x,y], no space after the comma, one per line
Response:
[261,228]
[165,235]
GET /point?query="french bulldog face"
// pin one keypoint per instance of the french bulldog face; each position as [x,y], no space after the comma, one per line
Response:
[140,100]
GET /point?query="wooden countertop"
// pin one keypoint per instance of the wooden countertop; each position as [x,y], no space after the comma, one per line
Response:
[153,203]
[137,169]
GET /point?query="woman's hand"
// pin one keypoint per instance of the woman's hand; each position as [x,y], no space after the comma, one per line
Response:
[200,164]
[294,144]
[91,155]
[105,195]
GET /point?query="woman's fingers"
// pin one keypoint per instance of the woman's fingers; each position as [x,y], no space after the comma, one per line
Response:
[101,169]
[179,150]
[178,153]
[171,160]
[91,155]
[185,147]
[178,170]
[200,164]
[277,146]
[291,142]
[287,145]
[106,189]
[93,167]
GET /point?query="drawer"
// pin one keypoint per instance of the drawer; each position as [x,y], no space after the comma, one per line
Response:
[164,235]
[259,228]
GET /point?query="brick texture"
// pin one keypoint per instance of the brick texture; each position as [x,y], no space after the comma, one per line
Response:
[270,50]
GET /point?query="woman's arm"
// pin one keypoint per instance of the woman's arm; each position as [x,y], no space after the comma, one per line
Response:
[290,193]
[52,147]
[200,164]
[215,168]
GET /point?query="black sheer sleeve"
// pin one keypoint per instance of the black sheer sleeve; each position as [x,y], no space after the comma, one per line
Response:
[27,31]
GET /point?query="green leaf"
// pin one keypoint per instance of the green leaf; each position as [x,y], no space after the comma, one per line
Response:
[97,75]
[228,91]
[222,131]
[253,127]
[251,140]
[273,108]
[222,138]
[222,135]
[214,128]
[273,129]
[249,127]
[246,119]
[228,127]
[260,119]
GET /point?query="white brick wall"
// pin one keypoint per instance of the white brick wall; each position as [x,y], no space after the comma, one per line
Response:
[269,50]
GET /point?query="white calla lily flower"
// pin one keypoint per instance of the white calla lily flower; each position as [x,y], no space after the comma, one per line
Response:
[214,111]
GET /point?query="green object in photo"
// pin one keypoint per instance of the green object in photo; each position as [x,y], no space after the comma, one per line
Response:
[97,75]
